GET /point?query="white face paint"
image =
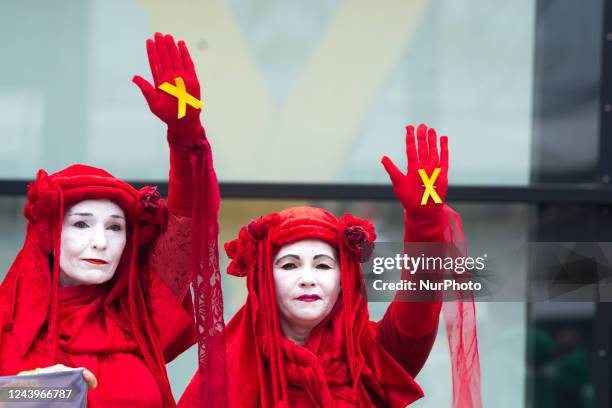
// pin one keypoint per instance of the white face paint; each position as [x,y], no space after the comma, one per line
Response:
[307,280]
[93,238]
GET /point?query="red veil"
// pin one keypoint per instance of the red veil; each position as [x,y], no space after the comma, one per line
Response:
[460,323]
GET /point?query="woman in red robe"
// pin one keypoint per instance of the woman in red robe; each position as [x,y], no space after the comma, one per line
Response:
[137,315]
[304,337]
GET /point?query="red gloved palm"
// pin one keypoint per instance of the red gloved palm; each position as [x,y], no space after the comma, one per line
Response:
[410,188]
[167,62]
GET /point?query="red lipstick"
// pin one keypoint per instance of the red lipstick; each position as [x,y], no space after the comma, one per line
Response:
[95,261]
[309,298]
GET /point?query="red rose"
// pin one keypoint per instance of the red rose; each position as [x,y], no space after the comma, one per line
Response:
[356,236]
[150,199]
[258,230]
[243,250]
[358,241]
[43,198]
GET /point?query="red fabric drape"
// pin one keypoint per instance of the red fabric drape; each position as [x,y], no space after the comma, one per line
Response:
[206,278]
[460,323]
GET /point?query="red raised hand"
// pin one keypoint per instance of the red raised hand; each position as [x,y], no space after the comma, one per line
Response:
[410,188]
[169,60]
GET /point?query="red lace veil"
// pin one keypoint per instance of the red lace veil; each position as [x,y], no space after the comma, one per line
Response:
[460,323]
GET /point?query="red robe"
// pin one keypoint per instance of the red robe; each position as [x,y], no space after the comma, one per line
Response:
[406,334]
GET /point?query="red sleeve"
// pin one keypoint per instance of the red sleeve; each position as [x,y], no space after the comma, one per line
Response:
[180,179]
[408,350]
[170,260]
[172,319]
[408,329]
[167,287]
[171,255]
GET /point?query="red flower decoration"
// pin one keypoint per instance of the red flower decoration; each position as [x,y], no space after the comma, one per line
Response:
[43,198]
[150,199]
[153,216]
[358,241]
[243,250]
[259,228]
[230,248]
[358,235]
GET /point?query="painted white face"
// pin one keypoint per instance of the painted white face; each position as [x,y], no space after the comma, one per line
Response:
[93,238]
[307,280]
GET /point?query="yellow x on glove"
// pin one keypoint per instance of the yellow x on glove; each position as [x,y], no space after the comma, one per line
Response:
[428,183]
[181,94]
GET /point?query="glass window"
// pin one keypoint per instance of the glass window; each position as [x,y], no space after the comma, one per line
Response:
[320,90]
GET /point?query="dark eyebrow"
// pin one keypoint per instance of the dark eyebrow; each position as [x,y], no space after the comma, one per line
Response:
[287,256]
[81,214]
[91,215]
[324,256]
[297,257]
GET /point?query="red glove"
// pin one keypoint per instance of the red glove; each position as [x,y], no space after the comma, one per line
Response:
[168,62]
[185,134]
[409,188]
[424,223]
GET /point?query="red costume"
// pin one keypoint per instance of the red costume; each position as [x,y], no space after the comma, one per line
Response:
[119,330]
[128,328]
[347,360]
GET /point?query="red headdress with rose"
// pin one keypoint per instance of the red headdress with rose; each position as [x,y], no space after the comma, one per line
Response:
[340,350]
[29,294]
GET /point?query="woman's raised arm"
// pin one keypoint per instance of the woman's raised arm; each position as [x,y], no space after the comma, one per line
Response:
[409,328]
